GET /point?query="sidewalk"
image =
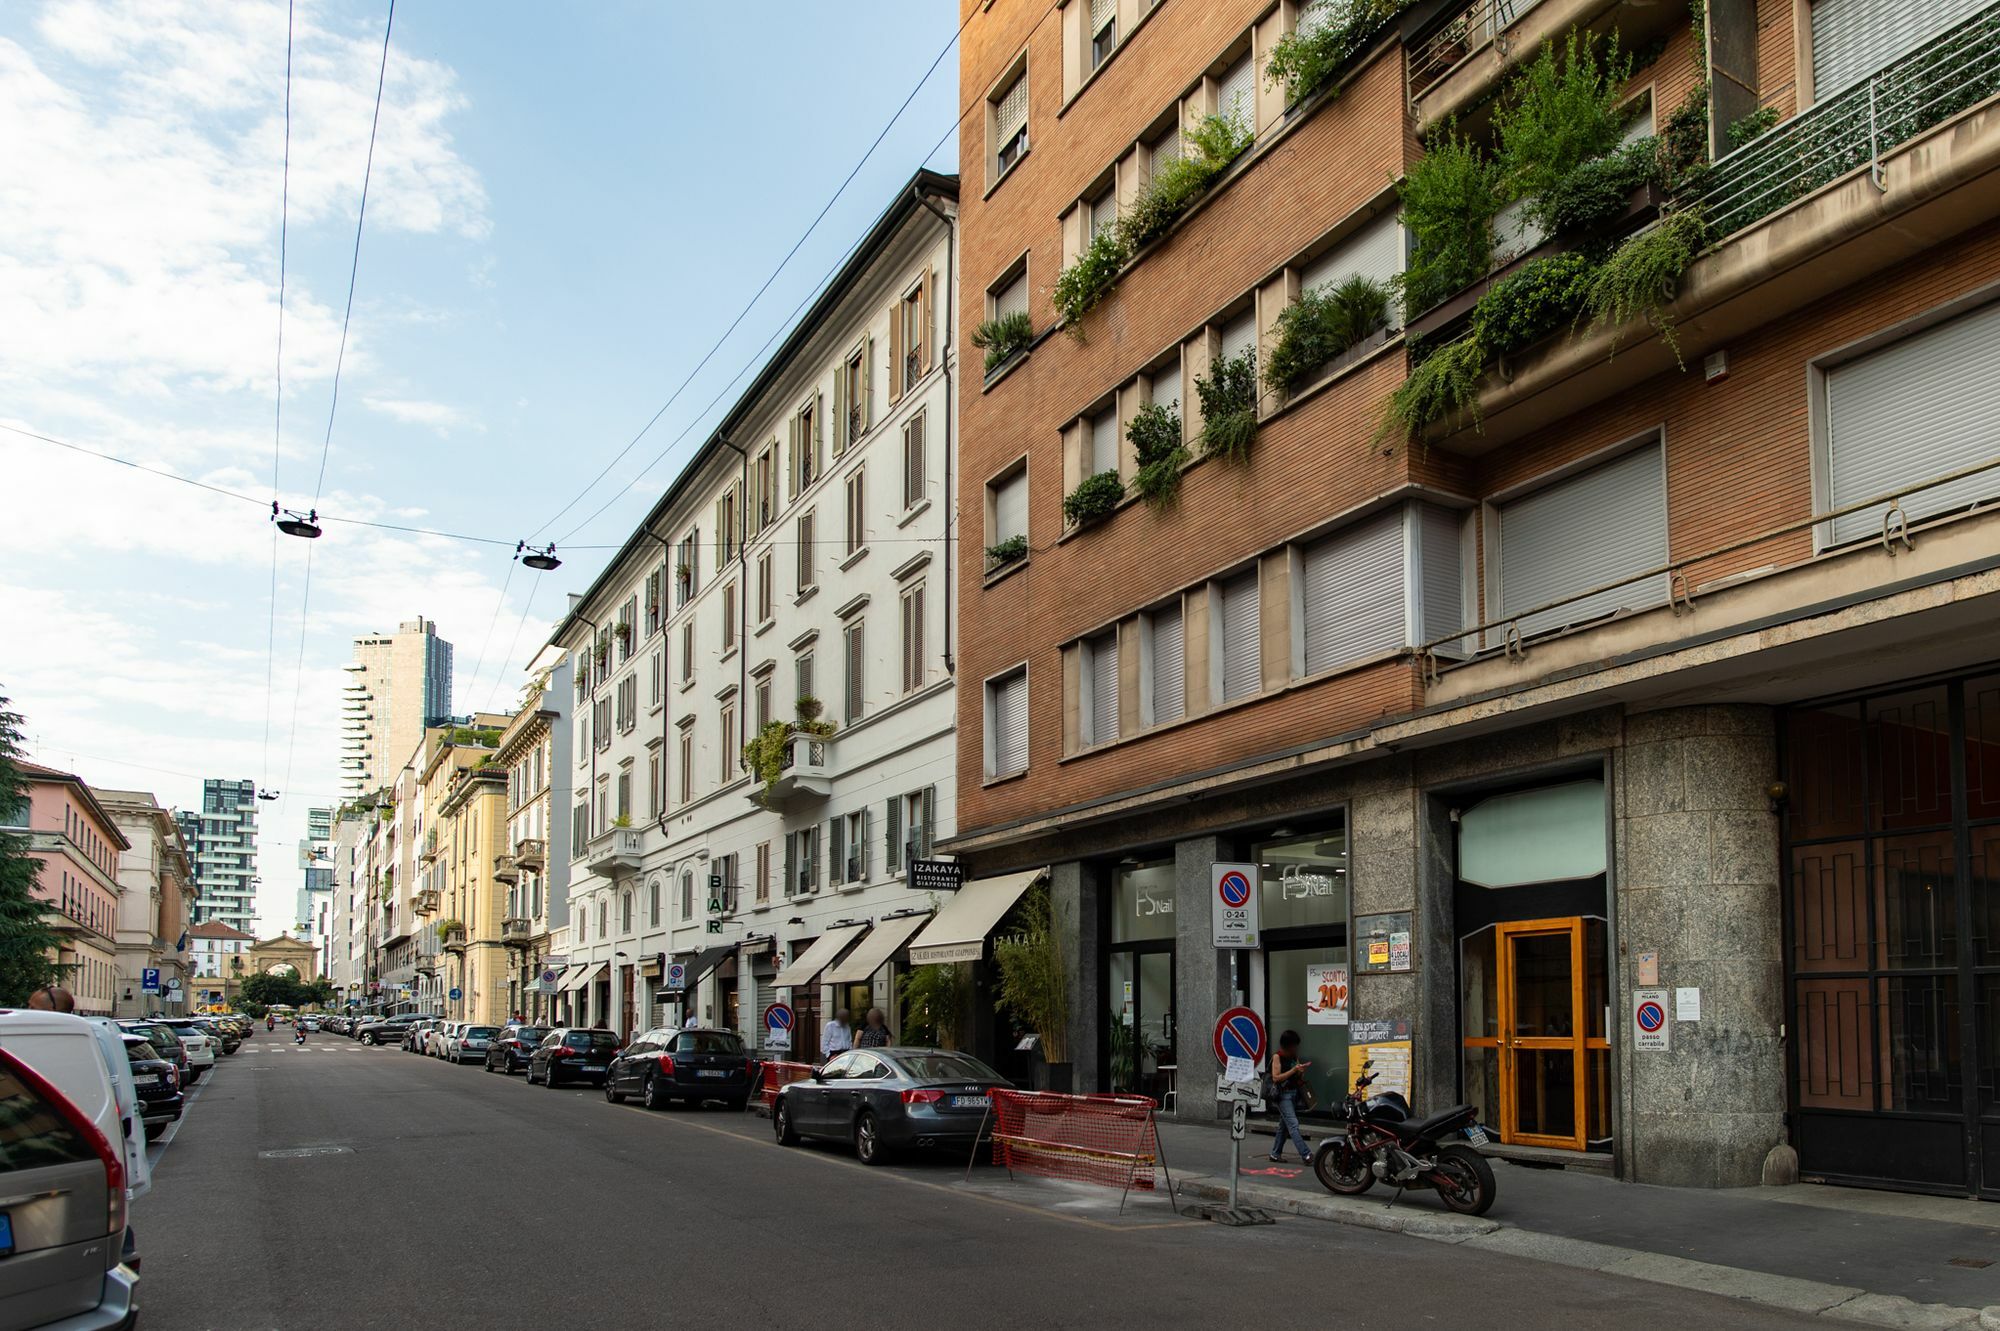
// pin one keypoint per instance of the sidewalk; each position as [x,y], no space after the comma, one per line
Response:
[1889,1259]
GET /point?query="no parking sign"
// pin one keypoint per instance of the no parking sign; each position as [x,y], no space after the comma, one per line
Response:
[1233,904]
[778,1022]
[1649,1019]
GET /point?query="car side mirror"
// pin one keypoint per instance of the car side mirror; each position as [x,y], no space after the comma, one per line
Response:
[818,1075]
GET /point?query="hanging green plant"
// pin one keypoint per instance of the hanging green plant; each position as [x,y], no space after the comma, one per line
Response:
[1004,337]
[1155,434]
[1207,150]
[1094,499]
[764,753]
[1306,61]
[1321,324]
[1539,297]
[1084,284]
[1642,276]
[1229,406]
[1445,384]
[1005,553]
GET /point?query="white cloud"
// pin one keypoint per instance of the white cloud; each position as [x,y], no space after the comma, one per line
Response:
[436,415]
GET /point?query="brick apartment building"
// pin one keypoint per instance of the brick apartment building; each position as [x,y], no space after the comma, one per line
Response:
[1667,675]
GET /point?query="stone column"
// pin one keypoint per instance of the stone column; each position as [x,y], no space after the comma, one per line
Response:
[1698,882]
[1075,895]
[1201,980]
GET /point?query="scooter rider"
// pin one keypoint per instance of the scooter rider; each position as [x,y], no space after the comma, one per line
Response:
[299,1031]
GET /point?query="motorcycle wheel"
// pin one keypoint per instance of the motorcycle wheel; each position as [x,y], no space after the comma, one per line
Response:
[1341,1169]
[1463,1180]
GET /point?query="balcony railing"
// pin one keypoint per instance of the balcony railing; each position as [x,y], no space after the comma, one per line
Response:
[804,775]
[426,902]
[505,870]
[531,853]
[516,929]
[1855,126]
[1478,24]
[615,853]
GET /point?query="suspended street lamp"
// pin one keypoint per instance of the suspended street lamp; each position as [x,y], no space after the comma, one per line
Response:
[292,524]
[540,558]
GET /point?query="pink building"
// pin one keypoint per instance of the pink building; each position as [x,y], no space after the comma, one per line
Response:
[77,845]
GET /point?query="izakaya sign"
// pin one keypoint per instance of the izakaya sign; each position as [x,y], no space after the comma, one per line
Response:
[1232,901]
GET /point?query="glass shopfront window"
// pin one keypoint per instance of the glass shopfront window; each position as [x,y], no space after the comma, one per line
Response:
[1139,979]
[1307,971]
[1142,902]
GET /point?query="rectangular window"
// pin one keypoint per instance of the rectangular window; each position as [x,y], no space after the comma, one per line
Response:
[854,394]
[1581,532]
[1101,213]
[805,447]
[1100,688]
[656,788]
[658,692]
[915,336]
[854,850]
[687,651]
[1007,515]
[1167,650]
[624,795]
[687,568]
[654,582]
[764,578]
[1375,251]
[913,638]
[726,756]
[1236,92]
[1352,597]
[1007,724]
[728,618]
[807,577]
[725,526]
[763,696]
[1010,124]
[601,722]
[857,669]
[803,673]
[857,511]
[802,861]
[1011,297]
[914,463]
[1102,440]
[687,765]
[687,895]
[1103,30]
[1240,335]
[763,872]
[1242,664]
[767,488]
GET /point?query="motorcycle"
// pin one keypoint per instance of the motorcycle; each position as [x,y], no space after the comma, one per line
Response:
[1386,1141]
[299,1035]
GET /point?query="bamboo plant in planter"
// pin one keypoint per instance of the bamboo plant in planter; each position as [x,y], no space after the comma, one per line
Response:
[1031,982]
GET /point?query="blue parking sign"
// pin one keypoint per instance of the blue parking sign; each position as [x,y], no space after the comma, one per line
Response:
[149,979]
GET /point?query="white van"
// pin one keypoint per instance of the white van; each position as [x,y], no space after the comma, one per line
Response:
[84,1057]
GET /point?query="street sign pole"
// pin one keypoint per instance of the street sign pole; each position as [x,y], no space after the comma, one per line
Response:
[1239,1047]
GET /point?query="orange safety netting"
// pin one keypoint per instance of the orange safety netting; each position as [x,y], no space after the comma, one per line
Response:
[781,1074]
[1105,1139]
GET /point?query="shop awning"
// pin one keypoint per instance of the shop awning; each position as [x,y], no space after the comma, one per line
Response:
[594,971]
[706,960]
[869,954]
[805,969]
[959,930]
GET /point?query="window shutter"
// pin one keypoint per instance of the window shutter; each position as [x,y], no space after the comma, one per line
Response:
[792,458]
[1585,530]
[1103,654]
[1353,595]
[915,668]
[1010,508]
[927,320]
[1440,574]
[1242,668]
[1239,335]
[1010,718]
[820,432]
[863,845]
[1169,667]
[840,411]
[1375,251]
[1916,409]
[892,836]
[930,792]
[836,860]
[1013,111]
[909,628]
[868,384]
[1852,39]
[791,863]
[1237,97]
[913,461]
[856,664]
[736,516]
[895,352]
[1103,442]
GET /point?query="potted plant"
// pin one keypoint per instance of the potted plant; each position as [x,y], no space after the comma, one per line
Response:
[1094,499]
[1003,337]
[1032,986]
[1005,553]
[622,820]
[764,754]
[1155,433]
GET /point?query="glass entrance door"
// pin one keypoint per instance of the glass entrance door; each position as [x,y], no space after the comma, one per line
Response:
[1142,1019]
[1535,1040]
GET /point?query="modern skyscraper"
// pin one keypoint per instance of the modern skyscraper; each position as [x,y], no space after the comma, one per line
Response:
[398,684]
[316,893]
[222,844]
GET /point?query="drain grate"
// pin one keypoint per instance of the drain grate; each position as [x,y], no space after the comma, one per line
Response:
[300,1152]
[1973,1263]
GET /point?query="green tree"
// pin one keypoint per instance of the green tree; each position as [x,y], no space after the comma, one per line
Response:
[27,940]
[265,991]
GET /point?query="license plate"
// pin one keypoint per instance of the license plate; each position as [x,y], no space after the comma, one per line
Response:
[593,1067]
[711,1072]
[971,1101]
[149,1079]
[6,1235]
[1476,1135]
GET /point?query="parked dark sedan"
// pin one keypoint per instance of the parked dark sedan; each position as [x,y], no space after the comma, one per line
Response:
[158,1082]
[571,1052]
[510,1049]
[883,1099]
[165,1044]
[666,1066]
[387,1031]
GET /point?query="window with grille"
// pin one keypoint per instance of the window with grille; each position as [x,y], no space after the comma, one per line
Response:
[855,397]
[913,637]
[1007,724]
[767,488]
[805,447]
[914,461]
[654,582]
[1010,123]
[857,511]
[914,336]
[687,568]
[857,669]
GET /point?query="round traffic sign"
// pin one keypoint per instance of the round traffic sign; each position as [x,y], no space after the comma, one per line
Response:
[1651,1016]
[548,976]
[1234,888]
[456,994]
[1239,1033]
[778,1017]
[677,974]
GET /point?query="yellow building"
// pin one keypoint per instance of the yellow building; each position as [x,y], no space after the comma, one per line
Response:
[465,833]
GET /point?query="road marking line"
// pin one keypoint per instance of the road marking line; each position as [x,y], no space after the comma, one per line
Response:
[838,1163]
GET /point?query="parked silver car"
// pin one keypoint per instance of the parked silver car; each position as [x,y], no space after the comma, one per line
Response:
[469,1043]
[64,1224]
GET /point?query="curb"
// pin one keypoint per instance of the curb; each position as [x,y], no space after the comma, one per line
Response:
[1815,1298]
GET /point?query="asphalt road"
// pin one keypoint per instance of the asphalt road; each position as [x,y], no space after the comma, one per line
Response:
[340,1187]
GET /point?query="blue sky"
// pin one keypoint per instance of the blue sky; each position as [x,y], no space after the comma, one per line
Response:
[568,204]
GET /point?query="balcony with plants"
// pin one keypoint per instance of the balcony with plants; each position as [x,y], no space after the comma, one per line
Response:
[792,760]
[1636,246]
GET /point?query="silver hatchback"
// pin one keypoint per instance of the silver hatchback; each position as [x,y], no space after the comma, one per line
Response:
[62,1213]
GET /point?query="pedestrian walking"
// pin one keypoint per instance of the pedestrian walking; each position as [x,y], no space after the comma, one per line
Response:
[874,1035]
[835,1037]
[1288,1080]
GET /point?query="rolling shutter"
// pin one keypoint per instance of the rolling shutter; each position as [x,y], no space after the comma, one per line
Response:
[1010,508]
[1375,251]
[1582,531]
[1354,593]
[1103,443]
[1010,724]
[1169,666]
[1101,13]
[1013,298]
[1236,96]
[1240,335]
[1102,654]
[1440,575]
[1916,409]
[1012,112]
[1242,666]
[1851,39]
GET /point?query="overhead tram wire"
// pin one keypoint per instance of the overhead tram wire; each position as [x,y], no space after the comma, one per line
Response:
[278,396]
[759,293]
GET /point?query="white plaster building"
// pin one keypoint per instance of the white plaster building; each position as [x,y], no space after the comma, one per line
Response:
[806,550]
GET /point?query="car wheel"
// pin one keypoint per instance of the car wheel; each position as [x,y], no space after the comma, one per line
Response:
[615,1097]
[781,1123]
[549,1076]
[868,1148]
[650,1091]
